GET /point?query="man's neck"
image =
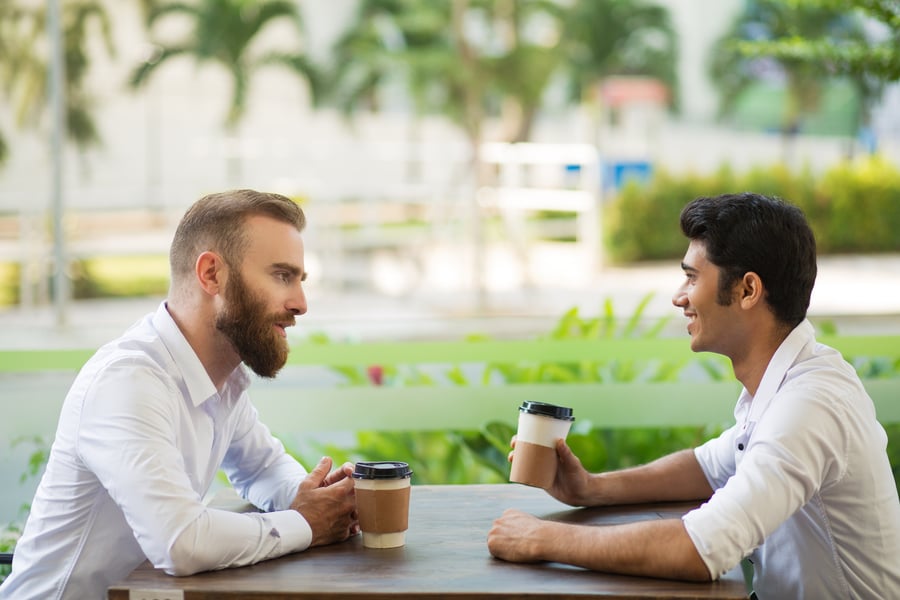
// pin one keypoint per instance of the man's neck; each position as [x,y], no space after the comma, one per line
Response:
[215,352]
[751,365]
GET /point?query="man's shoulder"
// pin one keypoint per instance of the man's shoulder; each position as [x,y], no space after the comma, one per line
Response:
[139,346]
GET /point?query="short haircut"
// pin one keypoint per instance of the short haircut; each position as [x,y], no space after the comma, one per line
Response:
[768,236]
[216,223]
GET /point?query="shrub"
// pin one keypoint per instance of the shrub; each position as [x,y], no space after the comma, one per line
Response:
[852,207]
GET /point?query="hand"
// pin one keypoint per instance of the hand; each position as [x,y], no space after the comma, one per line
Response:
[345,470]
[573,482]
[328,503]
[516,537]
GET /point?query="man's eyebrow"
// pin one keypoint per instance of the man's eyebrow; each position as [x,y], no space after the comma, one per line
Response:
[687,267]
[292,269]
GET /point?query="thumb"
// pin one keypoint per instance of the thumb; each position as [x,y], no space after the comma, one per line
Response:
[317,476]
[566,456]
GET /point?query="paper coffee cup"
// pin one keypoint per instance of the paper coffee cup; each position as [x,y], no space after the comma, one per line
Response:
[382,501]
[534,458]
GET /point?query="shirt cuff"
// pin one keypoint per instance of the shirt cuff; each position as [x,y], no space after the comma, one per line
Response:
[292,528]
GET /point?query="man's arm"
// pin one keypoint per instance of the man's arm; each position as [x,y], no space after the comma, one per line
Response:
[647,548]
[677,476]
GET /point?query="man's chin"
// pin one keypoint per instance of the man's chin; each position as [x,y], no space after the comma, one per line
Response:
[265,373]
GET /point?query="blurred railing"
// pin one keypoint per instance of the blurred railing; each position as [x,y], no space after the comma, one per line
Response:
[34,382]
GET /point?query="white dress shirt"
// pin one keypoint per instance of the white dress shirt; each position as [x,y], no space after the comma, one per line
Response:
[142,434]
[802,483]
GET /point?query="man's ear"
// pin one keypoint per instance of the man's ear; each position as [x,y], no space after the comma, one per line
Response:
[211,272]
[750,290]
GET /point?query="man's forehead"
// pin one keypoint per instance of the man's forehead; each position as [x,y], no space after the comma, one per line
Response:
[695,257]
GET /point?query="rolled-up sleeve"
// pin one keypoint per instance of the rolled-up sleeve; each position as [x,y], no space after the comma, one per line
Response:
[790,453]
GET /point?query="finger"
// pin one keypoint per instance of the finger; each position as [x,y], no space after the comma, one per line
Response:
[317,476]
[342,472]
[564,452]
[512,444]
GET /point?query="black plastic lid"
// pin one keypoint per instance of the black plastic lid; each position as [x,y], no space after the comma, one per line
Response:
[547,410]
[381,470]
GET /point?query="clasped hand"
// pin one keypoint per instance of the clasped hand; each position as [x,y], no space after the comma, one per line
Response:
[328,503]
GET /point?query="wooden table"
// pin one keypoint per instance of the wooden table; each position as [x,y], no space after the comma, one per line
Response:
[445,555]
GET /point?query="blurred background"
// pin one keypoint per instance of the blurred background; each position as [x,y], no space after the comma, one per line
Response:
[466,157]
[500,168]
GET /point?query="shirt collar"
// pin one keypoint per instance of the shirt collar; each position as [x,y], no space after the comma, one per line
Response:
[200,386]
[785,356]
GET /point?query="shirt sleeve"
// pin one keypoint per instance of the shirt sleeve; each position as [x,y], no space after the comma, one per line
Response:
[257,465]
[716,457]
[797,445]
[127,436]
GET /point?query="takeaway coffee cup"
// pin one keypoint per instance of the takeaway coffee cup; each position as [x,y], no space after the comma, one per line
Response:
[382,501]
[534,459]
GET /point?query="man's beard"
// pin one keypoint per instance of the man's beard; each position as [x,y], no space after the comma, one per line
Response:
[251,331]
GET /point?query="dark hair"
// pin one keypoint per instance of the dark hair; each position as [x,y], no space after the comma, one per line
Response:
[215,222]
[768,236]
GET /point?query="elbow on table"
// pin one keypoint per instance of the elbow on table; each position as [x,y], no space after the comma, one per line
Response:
[698,574]
[188,559]
[184,566]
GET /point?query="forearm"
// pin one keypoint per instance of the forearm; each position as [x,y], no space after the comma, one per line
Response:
[649,548]
[220,539]
[674,477]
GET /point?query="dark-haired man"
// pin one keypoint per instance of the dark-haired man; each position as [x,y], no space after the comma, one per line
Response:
[154,415]
[801,484]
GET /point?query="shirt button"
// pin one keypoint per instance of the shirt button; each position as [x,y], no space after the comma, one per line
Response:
[741,447]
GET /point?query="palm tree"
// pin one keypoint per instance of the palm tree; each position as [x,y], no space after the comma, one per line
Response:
[619,37]
[735,71]
[878,58]
[428,47]
[23,69]
[223,32]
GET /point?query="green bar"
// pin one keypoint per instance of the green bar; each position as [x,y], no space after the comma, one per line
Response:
[614,405]
[27,361]
[442,408]
[392,353]
[389,353]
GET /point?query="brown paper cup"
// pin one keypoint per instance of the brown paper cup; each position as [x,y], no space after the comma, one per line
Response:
[382,501]
[534,459]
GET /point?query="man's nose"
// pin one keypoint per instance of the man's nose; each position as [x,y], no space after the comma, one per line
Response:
[679,298]
[297,303]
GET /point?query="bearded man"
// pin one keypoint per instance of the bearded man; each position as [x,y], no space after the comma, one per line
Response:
[154,415]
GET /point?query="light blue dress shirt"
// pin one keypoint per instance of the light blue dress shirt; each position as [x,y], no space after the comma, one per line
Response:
[803,483]
[142,434]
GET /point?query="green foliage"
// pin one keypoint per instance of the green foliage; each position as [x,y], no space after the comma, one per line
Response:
[863,201]
[481,456]
[23,66]
[427,47]
[605,38]
[37,460]
[854,206]
[120,277]
[746,57]
[878,59]
[222,32]
[9,283]
[893,450]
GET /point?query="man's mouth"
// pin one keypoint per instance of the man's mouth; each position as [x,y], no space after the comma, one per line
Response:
[282,326]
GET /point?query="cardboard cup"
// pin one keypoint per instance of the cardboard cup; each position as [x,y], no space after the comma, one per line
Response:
[382,501]
[534,460]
